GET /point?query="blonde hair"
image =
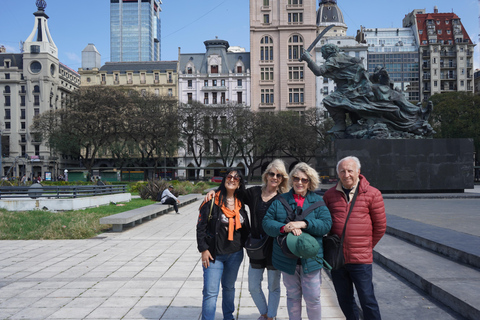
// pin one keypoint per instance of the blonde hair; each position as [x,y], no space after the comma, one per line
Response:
[278,165]
[309,171]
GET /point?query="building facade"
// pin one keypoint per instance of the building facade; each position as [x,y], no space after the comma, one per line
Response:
[135,30]
[216,78]
[279,31]
[31,83]
[446,52]
[395,49]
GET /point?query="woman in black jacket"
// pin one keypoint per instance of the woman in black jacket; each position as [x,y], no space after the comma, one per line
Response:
[222,230]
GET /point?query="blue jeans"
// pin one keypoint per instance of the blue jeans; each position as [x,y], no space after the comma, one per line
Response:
[361,276]
[224,270]
[255,278]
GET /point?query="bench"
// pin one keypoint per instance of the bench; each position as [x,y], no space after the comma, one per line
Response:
[131,218]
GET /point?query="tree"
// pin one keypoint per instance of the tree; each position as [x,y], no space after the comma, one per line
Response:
[93,118]
[457,115]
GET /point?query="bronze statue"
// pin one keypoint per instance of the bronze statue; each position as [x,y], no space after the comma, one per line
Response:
[375,108]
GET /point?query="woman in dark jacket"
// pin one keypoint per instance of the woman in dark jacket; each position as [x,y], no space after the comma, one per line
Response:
[301,277]
[221,237]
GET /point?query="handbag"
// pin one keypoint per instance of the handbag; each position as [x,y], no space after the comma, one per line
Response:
[333,245]
[210,239]
[258,249]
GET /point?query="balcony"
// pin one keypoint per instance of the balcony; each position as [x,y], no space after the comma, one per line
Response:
[214,88]
[448,65]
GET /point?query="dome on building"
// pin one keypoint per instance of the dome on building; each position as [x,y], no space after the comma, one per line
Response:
[329,13]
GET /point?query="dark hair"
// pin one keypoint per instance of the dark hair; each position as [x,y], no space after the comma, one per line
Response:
[239,193]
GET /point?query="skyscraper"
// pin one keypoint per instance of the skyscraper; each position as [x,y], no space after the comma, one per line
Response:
[135,30]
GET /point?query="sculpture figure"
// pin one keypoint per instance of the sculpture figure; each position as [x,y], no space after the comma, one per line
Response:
[375,108]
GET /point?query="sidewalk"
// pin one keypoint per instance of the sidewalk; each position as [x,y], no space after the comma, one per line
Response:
[152,271]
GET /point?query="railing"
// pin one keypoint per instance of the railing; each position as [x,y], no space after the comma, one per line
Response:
[56,192]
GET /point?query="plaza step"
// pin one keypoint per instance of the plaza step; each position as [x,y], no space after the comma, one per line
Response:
[454,284]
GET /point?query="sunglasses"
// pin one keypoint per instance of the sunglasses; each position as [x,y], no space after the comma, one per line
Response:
[235,177]
[297,179]
[271,174]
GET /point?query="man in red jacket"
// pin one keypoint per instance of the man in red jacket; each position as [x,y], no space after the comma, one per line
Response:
[365,227]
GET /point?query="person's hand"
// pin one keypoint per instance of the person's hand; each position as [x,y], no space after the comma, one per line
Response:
[306,56]
[209,196]
[206,258]
[178,201]
[296,225]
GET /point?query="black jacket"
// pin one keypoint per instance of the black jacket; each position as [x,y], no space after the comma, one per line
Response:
[207,229]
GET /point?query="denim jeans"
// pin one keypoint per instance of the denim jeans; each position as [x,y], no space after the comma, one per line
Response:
[224,270]
[361,276]
[255,278]
[308,285]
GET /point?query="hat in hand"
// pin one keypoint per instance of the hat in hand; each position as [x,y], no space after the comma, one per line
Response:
[303,246]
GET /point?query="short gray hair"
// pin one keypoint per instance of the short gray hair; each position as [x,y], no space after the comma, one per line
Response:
[355,159]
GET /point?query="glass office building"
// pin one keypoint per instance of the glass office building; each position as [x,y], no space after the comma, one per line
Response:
[135,30]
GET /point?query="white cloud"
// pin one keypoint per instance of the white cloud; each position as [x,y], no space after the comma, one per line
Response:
[73,57]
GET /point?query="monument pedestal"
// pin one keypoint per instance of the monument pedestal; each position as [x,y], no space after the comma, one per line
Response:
[413,165]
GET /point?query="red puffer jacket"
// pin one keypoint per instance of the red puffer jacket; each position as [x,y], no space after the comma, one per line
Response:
[367,222]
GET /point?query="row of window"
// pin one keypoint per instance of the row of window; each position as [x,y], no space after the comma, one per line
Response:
[22,113]
[295,96]
[295,48]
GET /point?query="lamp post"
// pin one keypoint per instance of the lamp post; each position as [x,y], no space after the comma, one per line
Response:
[65,173]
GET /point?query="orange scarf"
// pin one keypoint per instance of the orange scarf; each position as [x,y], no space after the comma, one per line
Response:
[232,215]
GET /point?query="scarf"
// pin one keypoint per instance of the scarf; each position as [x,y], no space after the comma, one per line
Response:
[232,215]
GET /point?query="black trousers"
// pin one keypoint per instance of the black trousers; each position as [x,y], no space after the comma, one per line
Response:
[172,202]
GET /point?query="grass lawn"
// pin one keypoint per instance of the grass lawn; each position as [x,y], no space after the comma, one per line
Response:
[45,225]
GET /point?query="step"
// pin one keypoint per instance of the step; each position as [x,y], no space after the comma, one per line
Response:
[458,246]
[453,284]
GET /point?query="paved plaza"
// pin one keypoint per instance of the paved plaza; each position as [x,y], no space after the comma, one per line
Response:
[152,271]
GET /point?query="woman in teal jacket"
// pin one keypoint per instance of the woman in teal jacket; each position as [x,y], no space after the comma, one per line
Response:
[300,276]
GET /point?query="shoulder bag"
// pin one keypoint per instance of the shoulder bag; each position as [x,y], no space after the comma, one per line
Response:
[333,245]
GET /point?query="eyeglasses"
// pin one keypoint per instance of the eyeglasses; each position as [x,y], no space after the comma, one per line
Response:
[235,177]
[297,179]
[272,174]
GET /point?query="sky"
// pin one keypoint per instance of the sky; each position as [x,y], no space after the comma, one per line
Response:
[188,23]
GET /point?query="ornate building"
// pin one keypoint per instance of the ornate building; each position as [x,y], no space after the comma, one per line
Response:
[31,83]
[446,52]
[279,31]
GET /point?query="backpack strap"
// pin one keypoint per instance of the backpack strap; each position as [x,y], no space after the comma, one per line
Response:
[291,214]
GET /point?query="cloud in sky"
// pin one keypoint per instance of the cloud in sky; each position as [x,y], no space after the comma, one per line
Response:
[73,57]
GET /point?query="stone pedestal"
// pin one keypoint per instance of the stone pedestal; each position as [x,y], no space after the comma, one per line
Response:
[413,165]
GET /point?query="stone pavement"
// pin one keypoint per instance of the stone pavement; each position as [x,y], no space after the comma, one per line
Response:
[152,271]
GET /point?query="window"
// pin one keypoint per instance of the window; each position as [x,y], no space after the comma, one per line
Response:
[266,18]
[7,126]
[439,31]
[222,82]
[22,114]
[222,98]
[266,96]
[239,82]
[214,83]
[7,75]
[129,78]
[295,47]
[170,92]
[103,78]
[7,101]
[214,97]
[22,101]
[266,74]
[23,125]
[36,89]
[214,69]
[266,49]
[295,2]
[36,112]
[189,83]
[239,69]
[36,100]
[435,83]
[205,83]
[7,114]
[295,95]
[296,73]
[189,70]
[205,98]
[295,17]
[157,92]
[7,89]
[7,64]
[37,150]
[266,3]
[189,98]
[239,97]
[116,77]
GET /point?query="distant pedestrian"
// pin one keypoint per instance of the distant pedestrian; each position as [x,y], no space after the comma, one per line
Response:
[23,181]
[365,227]
[169,198]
